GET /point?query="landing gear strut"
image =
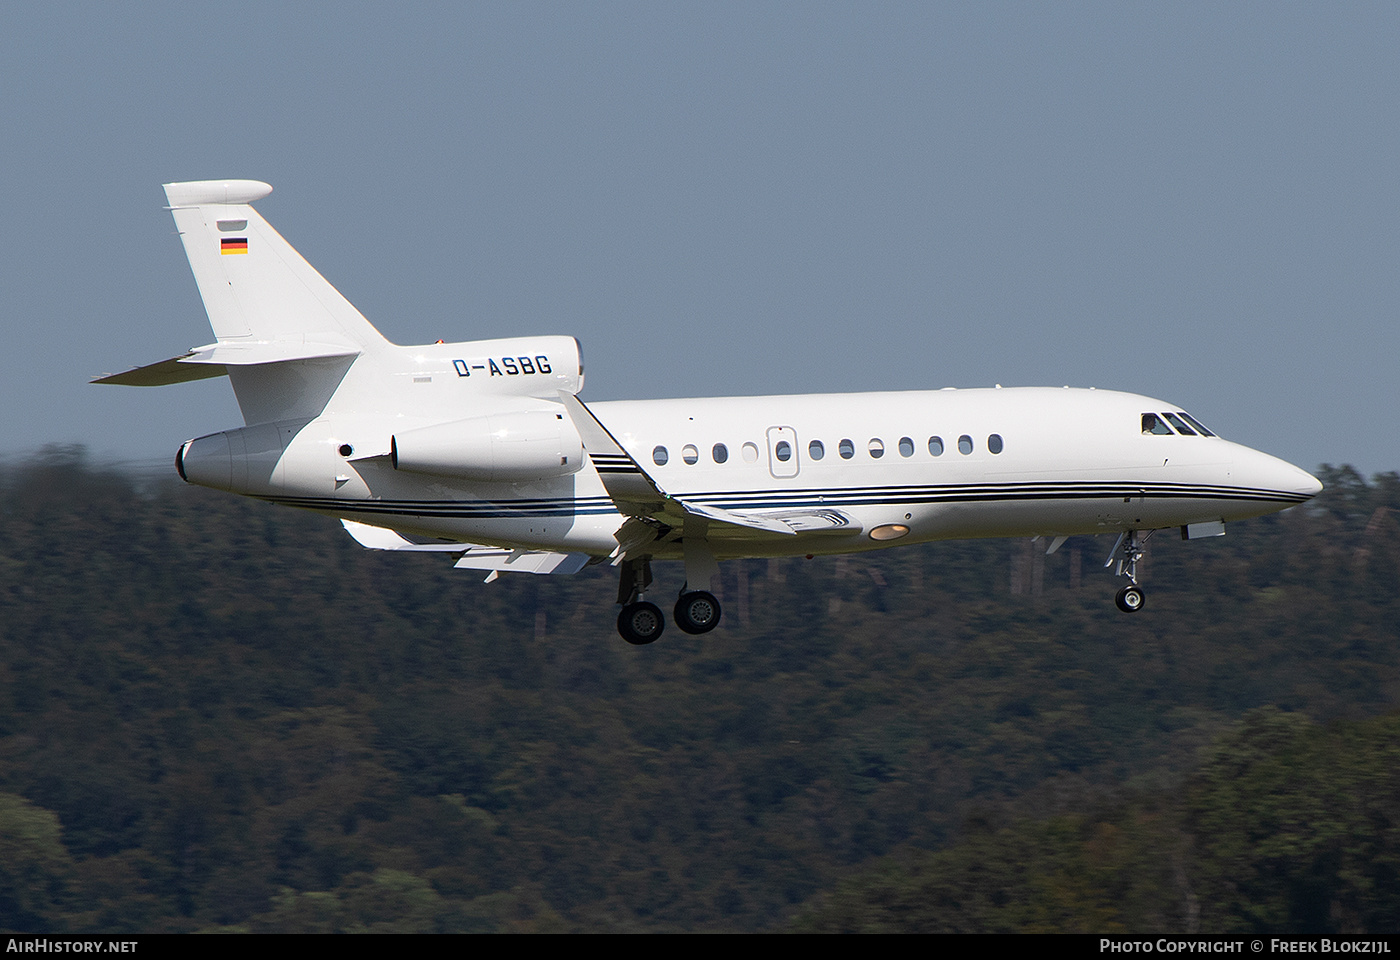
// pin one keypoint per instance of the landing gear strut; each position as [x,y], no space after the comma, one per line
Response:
[640,621]
[1128,551]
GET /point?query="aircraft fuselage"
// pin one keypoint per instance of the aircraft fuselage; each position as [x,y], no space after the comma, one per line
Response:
[1066,461]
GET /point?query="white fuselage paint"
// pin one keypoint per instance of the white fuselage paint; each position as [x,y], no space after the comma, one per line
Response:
[438,441]
[1073,461]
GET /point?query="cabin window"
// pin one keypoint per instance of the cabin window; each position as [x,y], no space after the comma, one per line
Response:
[815,450]
[935,446]
[847,449]
[1151,423]
[1181,427]
[964,444]
[689,454]
[783,450]
[750,452]
[1195,423]
[720,453]
[994,443]
[876,447]
[659,456]
[906,447]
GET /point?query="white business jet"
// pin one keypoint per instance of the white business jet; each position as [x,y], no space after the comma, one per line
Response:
[483,451]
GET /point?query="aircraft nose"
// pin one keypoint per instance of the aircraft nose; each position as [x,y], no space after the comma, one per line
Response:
[1280,476]
[1307,483]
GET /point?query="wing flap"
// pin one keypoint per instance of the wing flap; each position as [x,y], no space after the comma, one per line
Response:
[749,521]
[521,561]
[473,556]
[382,538]
[821,520]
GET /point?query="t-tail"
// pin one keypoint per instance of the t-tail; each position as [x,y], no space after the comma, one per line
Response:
[325,398]
[257,289]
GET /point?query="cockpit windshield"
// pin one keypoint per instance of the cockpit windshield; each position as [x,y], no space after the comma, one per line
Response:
[1151,423]
[1181,427]
[1195,423]
[1181,422]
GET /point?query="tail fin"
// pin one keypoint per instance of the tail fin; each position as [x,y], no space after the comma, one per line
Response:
[255,286]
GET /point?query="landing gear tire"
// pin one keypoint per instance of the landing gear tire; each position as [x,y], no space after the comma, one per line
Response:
[640,623]
[1130,599]
[697,612]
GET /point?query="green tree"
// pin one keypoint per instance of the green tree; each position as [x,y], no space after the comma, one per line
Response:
[36,870]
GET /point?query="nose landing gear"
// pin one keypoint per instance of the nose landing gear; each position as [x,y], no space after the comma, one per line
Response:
[1128,551]
[1130,598]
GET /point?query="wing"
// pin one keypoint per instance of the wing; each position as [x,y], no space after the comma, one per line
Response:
[637,494]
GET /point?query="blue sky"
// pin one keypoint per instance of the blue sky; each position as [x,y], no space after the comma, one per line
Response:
[1193,201]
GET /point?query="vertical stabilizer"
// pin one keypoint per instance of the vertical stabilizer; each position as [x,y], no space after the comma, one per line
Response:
[255,286]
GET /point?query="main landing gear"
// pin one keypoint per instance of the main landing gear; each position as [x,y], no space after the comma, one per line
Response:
[1128,551]
[697,611]
[641,621]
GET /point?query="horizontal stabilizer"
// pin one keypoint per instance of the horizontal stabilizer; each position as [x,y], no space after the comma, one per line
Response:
[268,351]
[214,360]
[166,372]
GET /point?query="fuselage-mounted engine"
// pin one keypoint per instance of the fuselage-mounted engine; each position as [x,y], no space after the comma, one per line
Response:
[511,447]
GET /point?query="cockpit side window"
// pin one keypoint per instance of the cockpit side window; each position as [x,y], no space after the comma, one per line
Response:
[1151,423]
[1181,427]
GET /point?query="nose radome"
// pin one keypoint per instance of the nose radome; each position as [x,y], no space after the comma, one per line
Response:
[1274,474]
[1294,480]
[1308,484]
[1256,470]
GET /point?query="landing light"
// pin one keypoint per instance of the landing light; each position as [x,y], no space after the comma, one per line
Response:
[889,531]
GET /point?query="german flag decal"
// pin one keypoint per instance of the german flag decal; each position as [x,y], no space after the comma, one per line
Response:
[233,245]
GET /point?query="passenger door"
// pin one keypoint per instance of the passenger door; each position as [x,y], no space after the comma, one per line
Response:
[782,452]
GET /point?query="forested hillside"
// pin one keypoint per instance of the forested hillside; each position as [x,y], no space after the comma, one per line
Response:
[216,713]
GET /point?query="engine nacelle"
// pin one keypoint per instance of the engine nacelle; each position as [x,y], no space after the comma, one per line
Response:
[245,460]
[507,447]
